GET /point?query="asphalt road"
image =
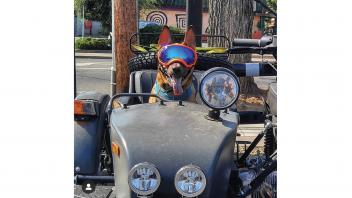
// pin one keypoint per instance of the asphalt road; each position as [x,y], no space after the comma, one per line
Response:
[93,75]
[100,192]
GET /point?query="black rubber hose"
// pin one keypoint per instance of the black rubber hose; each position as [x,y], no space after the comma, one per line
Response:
[148,61]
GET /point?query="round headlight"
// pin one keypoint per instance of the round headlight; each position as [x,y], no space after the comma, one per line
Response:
[190,181]
[219,88]
[144,178]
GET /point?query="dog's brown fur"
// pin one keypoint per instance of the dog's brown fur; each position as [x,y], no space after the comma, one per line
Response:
[161,79]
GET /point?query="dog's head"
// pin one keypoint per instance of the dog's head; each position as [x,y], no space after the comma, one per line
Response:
[176,61]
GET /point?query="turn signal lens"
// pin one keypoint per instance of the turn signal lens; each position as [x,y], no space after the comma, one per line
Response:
[115,148]
[84,107]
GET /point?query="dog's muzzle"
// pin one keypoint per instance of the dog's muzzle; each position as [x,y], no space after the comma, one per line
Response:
[177,84]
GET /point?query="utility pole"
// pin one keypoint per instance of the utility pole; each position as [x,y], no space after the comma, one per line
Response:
[83,20]
[113,67]
[74,72]
[124,15]
[194,11]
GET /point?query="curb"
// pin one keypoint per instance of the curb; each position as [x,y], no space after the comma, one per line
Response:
[93,57]
[92,51]
[95,54]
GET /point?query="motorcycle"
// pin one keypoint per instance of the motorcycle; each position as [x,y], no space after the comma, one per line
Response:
[177,148]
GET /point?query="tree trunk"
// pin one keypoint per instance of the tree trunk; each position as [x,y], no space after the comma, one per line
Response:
[234,19]
[125,24]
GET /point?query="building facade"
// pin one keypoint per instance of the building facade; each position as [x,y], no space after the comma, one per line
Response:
[173,13]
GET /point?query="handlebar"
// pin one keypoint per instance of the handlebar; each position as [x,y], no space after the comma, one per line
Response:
[264,41]
[254,69]
[252,50]
[264,45]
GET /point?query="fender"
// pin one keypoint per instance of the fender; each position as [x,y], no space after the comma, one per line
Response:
[88,135]
[272,98]
[153,133]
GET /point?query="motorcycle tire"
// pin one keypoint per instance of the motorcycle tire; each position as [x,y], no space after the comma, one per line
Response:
[149,61]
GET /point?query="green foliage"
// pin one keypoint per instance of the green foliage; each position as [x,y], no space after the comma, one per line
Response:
[148,4]
[100,10]
[93,44]
[145,5]
[78,7]
[146,40]
[272,4]
[97,10]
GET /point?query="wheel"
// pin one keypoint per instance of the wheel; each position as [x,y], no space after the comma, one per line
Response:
[149,61]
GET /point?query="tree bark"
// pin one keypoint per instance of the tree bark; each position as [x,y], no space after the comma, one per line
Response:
[125,24]
[234,19]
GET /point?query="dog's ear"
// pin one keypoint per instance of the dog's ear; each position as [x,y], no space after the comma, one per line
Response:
[190,38]
[165,37]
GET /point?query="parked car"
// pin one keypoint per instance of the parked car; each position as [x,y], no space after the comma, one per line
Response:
[143,24]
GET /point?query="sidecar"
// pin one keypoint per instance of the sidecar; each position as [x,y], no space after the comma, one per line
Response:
[167,140]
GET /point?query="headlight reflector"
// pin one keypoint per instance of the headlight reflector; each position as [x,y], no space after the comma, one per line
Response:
[144,178]
[190,181]
[219,88]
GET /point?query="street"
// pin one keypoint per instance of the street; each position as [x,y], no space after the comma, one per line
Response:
[100,192]
[93,74]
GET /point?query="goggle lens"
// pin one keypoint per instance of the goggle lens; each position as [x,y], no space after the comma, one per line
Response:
[174,52]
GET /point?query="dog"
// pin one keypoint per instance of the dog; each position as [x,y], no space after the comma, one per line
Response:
[175,67]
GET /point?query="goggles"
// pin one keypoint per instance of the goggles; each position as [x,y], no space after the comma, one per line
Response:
[177,53]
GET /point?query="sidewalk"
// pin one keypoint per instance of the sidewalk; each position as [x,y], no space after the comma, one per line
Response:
[250,129]
[248,132]
[96,54]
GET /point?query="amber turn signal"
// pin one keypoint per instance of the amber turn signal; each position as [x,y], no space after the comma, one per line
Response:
[115,149]
[84,107]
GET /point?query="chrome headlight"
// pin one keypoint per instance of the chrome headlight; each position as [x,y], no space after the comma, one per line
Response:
[144,178]
[219,88]
[190,181]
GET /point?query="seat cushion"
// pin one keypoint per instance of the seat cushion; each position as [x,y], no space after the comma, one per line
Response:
[143,81]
